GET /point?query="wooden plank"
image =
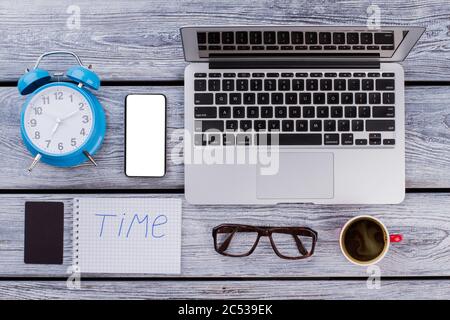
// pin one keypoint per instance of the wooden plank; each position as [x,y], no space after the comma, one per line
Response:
[423,219]
[132,40]
[427,141]
[279,290]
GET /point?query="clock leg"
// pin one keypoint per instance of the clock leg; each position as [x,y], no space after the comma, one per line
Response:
[87,154]
[35,161]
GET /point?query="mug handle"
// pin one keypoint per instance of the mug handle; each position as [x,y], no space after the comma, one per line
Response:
[395,238]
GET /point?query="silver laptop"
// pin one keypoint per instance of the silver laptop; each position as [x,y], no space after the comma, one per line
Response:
[278,114]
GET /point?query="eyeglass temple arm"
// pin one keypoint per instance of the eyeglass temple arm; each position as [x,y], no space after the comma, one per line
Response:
[227,242]
[300,246]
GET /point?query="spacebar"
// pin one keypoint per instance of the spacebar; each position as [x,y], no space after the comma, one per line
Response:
[290,139]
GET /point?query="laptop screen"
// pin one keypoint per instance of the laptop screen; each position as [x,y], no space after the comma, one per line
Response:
[291,42]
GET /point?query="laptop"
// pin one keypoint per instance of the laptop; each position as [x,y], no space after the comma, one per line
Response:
[282,114]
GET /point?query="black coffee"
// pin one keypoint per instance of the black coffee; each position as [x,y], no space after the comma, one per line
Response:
[364,239]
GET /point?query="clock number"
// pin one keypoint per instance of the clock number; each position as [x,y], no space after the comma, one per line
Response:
[33,122]
[46,100]
[85,119]
[58,95]
[37,135]
[48,143]
[83,132]
[81,104]
[60,146]
[37,111]
[73,142]
[71,98]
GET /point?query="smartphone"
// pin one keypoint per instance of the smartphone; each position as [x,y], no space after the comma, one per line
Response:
[145,135]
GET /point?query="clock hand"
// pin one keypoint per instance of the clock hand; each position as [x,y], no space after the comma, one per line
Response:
[58,122]
[70,115]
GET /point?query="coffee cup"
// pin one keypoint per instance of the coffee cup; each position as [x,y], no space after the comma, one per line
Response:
[365,240]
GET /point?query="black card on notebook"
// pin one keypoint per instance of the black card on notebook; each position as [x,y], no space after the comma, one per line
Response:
[44,232]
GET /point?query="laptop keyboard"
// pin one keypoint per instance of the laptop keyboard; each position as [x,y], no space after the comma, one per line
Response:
[298,109]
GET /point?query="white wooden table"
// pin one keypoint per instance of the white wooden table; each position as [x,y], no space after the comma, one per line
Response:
[135,47]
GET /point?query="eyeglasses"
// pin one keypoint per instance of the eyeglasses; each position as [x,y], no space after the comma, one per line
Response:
[235,240]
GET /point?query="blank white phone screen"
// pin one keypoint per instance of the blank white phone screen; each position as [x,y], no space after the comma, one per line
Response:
[145,137]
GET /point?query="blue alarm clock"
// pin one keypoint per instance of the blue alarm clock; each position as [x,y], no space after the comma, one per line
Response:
[62,123]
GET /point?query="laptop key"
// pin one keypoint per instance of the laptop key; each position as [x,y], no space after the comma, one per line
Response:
[205,112]
[283,37]
[228,139]
[364,112]
[340,84]
[200,140]
[294,112]
[350,112]
[238,112]
[201,37]
[305,98]
[214,85]
[315,125]
[291,98]
[224,112]
[308,112]
[367,84]
[231,125]
[388,97]
[260,125]
[200,85]
[352,38]
[389,142]
[325,37]
[263,98]
[374,98]
[297,37]
[212,125]
[346,98]
[361,142]
[331,139]
[301,125]
[243,139]
[310,37]
[256,85]
[287,125]
[221,98]
[336,112]
[357,125]
[255,37]
[242,85]
[274,125]
[203,98]
[245,125]
[329,125]
[252,112]
[235,98]
[241,37]
[325,84]
[213,139]
[227,37]
[284,84]
[322,112]
[353,84]
[280,112]
[333,98]
[213,37]
[249,98]
[318,98]
[338,37]
[360,98]
[343,125]
[384,38]
[383,112]
[270,85]
[228,85]
[291,139]
[366,38]
[269,37]
[298,85]
[312,85]
[380,125]
[347,139]
[266,112]
[385,84]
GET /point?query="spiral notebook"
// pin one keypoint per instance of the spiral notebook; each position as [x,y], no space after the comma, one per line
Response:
[127,235]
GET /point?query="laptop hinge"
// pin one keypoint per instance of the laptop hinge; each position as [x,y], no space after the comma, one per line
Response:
[294,64]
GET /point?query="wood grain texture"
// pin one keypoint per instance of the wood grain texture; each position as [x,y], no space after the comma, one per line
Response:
[278,290]
[423,219]
[427,144]
[140,40]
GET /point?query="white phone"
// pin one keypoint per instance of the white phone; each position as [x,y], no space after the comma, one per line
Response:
[145,135]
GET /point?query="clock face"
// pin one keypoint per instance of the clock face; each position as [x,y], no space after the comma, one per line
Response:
[58,120]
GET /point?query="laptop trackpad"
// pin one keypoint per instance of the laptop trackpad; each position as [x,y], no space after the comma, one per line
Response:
[301,175]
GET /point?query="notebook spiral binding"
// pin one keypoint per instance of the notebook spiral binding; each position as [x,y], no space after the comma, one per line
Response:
[76,224]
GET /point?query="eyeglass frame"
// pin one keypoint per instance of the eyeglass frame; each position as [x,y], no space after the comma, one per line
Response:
[264,231]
